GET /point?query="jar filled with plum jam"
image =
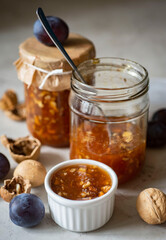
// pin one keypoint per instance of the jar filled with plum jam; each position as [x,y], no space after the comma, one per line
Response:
[47,76]
[109,114]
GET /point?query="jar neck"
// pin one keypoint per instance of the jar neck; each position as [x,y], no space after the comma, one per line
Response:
[110,80]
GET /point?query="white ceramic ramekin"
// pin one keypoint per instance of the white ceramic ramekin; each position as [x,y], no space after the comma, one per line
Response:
[81,216]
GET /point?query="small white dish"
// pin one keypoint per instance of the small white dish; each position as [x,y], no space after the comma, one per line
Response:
[82,215]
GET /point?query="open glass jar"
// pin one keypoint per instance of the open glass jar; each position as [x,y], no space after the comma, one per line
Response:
[109,114]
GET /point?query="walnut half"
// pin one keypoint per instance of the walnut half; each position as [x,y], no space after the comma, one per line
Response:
[22,148]
[13,187]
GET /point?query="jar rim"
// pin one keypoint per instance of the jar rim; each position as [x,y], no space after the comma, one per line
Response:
[119,92]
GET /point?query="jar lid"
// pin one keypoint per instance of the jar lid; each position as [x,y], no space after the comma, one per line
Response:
[35,56]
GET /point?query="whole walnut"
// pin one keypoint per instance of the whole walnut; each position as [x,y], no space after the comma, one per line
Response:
[32,170]
[151,206]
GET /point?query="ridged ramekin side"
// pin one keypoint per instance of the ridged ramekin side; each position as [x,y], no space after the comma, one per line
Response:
[82,219]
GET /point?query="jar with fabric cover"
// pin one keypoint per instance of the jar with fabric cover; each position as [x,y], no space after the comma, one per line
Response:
[46,76]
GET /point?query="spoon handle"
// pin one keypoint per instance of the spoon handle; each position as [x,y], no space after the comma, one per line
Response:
[46,26]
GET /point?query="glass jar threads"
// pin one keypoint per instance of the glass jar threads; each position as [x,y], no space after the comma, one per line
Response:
[109,114]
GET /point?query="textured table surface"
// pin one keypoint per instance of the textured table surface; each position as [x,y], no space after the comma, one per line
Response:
[130,29]
[125,222]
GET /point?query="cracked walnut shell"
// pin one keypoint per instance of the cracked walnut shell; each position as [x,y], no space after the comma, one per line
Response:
[18,113]
[22,148]
[8,101]
[151,206]
[9,104]
[13,187]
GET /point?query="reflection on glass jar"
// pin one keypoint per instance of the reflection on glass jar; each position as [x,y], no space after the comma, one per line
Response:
[109,115]
[48,115]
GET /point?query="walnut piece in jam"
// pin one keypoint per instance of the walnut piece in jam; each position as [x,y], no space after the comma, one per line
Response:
[81,182]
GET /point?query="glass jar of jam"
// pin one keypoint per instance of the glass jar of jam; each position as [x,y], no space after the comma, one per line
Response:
[109,114]
[47,76]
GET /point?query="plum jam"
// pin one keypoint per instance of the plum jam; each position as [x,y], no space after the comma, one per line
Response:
[48,115]
[109,115]
[124,150]
[81,182]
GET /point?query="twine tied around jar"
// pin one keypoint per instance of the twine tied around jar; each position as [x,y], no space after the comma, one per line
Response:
[49,73]
[49,77]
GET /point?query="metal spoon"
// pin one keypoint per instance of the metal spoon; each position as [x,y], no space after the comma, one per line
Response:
[47,28]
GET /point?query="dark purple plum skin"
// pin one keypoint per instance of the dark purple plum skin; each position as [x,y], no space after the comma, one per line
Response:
[4,166]
[156,134]
[160,116]
[58,26]
[26,210]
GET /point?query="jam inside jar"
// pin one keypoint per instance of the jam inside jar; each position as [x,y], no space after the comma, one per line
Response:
[47,78]
[48,115]
[109,115]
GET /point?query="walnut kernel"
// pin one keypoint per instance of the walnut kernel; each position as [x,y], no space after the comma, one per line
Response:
[127,136]
[13,187]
